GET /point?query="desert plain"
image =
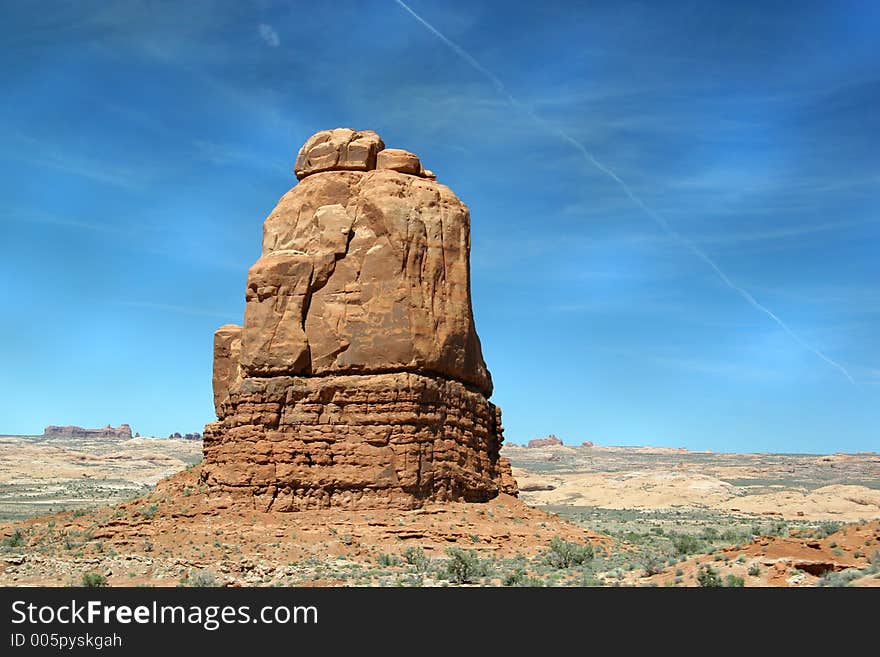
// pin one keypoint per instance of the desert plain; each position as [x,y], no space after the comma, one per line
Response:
[136,512]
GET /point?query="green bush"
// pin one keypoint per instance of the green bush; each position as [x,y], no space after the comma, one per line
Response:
[463,566]
[201,579]
[387,560]
[755,570]
[710,533]
[779,528]
[842,578]
[653,565]
[829,527]
[708,577]
[93,580]
[15,540]
[686,544]
[415,556]
[519,578]
[565,554]
[734,581]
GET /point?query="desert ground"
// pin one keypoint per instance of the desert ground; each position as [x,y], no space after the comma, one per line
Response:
[108,513]
[41,475]
[841,487]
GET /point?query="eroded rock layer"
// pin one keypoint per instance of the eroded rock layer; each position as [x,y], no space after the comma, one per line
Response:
[357,378]
[356,441]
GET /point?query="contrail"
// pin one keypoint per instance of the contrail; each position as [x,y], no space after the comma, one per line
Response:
[588,156]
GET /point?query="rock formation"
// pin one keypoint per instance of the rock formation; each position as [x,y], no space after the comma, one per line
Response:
[186,436]
[122,432]
[549,441]
[357,379]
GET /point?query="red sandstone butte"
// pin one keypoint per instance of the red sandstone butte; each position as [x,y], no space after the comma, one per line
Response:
[549,441]
[357,379]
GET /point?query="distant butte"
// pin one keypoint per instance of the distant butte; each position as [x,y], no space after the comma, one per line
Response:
[122,432]
[549,441]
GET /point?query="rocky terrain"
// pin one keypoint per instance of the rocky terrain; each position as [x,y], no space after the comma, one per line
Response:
[841,487]
[638,533]
[179,534]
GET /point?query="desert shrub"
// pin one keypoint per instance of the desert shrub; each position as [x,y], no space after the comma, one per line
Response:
[463,566]
[734,581]
[519,577]
[735,536]
[15,540]
[710,533]
[412,581]
[708,577]
[778,529]
[387,560]
[874,560]
[201,578]
[842,578]
[828,527]
[653,565]
[686,544]
[149,511]
[588,579]
[565,554]
[754,570]
[93,580]
[415,556]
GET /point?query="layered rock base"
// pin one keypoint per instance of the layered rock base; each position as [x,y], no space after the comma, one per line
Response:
[356,441]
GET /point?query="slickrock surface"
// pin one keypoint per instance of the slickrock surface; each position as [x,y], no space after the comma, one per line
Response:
[357,379]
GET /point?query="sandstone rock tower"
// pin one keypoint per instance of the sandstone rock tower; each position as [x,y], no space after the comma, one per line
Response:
[357,379]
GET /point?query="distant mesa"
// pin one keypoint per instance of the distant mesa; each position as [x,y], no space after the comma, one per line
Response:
[122,432]
[587,443]
[549,441]
[187,436]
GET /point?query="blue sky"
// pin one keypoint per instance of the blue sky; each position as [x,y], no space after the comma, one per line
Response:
[142,145]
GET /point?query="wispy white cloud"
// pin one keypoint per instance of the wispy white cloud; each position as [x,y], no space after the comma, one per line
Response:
[725,370]
[269,35]
[224,155]
[51,220]
[170,308]
[41,153]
